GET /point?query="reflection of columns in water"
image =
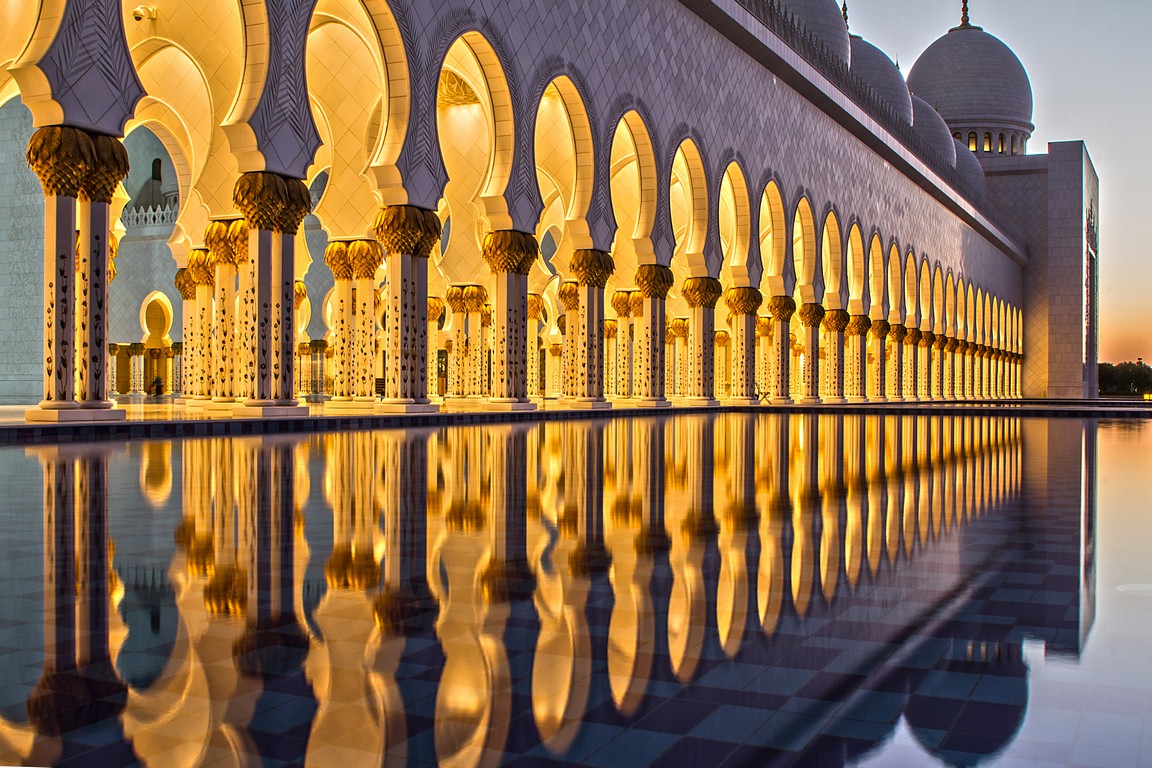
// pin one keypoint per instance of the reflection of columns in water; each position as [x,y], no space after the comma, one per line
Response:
[872,445]
[738,517]
[805,493]
[773,441]
[894,474]
[690,523]
[830,431]
[508,575]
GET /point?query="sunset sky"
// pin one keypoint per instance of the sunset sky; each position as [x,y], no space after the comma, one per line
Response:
[1091,70]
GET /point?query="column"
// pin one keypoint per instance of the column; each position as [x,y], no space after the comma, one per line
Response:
[701,293]
[407,235]
[535,309]
[856,359]
[169,370]
[202,359]
[366,256]
[336,257]
[622,303]
[952,390]
[274,207]
[654,282]
[878,379]
[939,353]
[611,356]
[591,269]
[304,370]
[763,356]
[670,357]
[436,309]
[781,308]
[221,381]
[743,304]
[510,255]
[556,370]
[136,368]
[895,349]
[835,324]
[475,297]
[113,351]
[456,345]
[722,361]
[924,365]
[678,361]
[911,364]
[811,317]
[61,157]
[244,337]
[568,323]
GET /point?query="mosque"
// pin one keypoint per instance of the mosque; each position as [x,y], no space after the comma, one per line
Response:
[401,206]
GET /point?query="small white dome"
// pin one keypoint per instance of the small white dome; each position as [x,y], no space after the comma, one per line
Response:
[824,19]
[874,67]
[933,130]
[970,169]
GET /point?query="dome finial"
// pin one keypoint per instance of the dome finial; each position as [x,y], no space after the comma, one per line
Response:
[964,13]
[845,7]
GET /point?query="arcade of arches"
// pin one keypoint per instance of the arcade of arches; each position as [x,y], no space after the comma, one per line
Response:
[454,298]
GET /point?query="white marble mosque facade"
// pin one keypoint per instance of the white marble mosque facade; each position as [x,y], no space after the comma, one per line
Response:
[559,143]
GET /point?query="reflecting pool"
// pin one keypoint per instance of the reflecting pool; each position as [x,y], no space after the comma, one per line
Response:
[736,589]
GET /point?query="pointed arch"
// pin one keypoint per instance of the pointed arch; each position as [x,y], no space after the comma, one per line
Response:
[773,243]
[804,254]
[634,189]
[832,262]
[735,220]
[895,286]
[877,286]
[688,201]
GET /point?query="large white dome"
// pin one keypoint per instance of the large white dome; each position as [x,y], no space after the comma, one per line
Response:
[970,169]
[824,19]
[874,67]
[974,80]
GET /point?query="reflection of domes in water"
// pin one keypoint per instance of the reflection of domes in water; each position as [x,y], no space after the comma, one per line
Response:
[874,67]
[826,23]
[978,729]
[933,130]
[974,79]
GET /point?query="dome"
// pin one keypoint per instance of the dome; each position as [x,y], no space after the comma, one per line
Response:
[933,129]
[970,168]
[874,67]
[974,81]
[825,20]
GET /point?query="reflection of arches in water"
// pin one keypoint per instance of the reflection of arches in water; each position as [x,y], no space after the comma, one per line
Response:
[156,472]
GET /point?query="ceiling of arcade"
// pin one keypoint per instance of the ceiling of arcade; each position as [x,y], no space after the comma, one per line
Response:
[190,60]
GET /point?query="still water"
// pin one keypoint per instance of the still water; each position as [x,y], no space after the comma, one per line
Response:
[735,589]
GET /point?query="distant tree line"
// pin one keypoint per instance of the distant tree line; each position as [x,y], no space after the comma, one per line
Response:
[1125,378]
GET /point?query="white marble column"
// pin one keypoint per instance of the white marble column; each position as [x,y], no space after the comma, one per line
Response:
[924,365]
[878,379]
[200,268]
[911,380]
[186,286]
[701,293]
[743,304]
[622,383]
[782,308]
[856,359]
[811,318]
[611,357]
[222,261]
[763,356]
[591,269]
[569,323]
[436,308]
[136,368]
[113,386]
[939,345]
[896,362]
[510,255]
[555,370]
[722,363]
[535,309]
[654,281]
[950,359]
[835,324]
[340,342]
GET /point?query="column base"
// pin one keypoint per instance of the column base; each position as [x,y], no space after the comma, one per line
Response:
[72,415]
[97,405]
[350,405]
[404,406]
[469,403]
[743,401]
[586,403]
[220,405]
[834,400]
[509,405]
[700,402]
[651,402]
[855,400]
[269,411]
[780,400]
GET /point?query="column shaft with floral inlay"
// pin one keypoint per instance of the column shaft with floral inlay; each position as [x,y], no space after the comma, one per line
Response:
[569,323]
[811,318]
[835,324]
[611,356]
[895,357]
[535,310]
[702,294]
[223,265]
[743,304]
[653,281]
[924,364]
[436,307]
[763,355]
[510,255]
[336,257]
[911,366]
[287,291]
[782,308]
[366,257]
[186,287]
[592,270]
[678,361]
[951,390]
[454,298]
[856,359]
[878,379]
[203,276]
[407,235]
[939,355]
[475,377]
[622,304]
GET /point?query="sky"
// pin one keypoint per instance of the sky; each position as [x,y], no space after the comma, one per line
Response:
[1091,69]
